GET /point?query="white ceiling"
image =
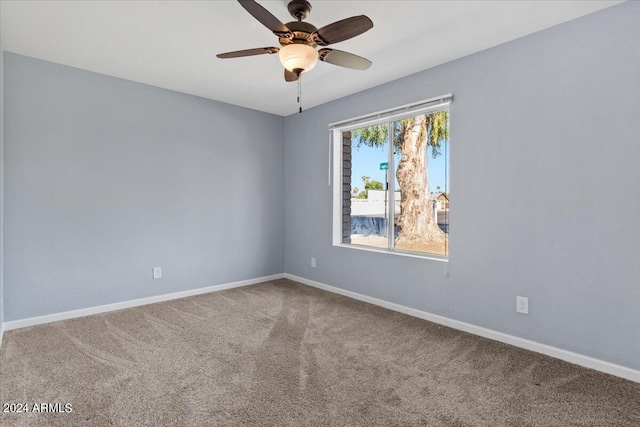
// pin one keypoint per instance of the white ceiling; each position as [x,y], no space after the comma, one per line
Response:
[172,44]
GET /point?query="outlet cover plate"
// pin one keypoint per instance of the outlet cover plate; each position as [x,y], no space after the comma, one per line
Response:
[522,305]
[157,272]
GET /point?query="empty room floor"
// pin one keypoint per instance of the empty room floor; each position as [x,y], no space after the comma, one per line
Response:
[281,353]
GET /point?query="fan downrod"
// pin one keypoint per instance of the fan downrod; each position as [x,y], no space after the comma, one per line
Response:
[299,9]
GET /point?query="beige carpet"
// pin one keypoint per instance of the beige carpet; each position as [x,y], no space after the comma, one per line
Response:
[283,354]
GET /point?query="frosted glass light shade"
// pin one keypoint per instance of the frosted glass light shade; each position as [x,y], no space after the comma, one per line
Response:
[298,57]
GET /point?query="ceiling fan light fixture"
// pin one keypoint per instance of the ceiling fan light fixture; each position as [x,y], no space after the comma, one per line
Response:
[298,58]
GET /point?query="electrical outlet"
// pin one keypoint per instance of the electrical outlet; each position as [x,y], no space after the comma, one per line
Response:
[522,305]
[157,272]
[313,262]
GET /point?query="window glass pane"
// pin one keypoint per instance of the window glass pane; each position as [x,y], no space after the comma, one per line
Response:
[406,196]
[421,163]
[368,171]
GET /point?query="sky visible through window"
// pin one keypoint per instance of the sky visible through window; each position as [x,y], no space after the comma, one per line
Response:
[366,162]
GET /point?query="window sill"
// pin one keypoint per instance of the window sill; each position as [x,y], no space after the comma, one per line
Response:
[397,253]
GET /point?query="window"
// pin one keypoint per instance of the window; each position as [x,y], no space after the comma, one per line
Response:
[391,180]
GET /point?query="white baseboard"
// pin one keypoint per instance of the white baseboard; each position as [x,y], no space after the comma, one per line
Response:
[567,356]
[32,321]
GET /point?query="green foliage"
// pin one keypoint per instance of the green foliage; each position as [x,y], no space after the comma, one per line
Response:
[369,185]
[437,131]
[373,185]
[372,136]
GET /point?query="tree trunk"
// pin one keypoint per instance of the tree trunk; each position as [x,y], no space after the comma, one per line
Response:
[417,221]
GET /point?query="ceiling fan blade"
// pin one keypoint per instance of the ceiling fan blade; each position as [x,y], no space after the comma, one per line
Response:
[343,59]
[265,17]
[343,30]
[249,52]
[290,76]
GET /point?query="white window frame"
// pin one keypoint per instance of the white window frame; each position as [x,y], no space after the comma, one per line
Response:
[336,129]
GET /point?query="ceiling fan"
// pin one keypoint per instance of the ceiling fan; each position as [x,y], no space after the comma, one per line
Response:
[299,39]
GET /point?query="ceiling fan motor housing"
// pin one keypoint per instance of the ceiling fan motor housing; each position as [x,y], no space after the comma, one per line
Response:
[302,33]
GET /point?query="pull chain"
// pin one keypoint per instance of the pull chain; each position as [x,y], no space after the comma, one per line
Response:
[300,91]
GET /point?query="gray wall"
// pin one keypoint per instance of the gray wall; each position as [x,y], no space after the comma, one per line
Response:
[107,178]
[548,124]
